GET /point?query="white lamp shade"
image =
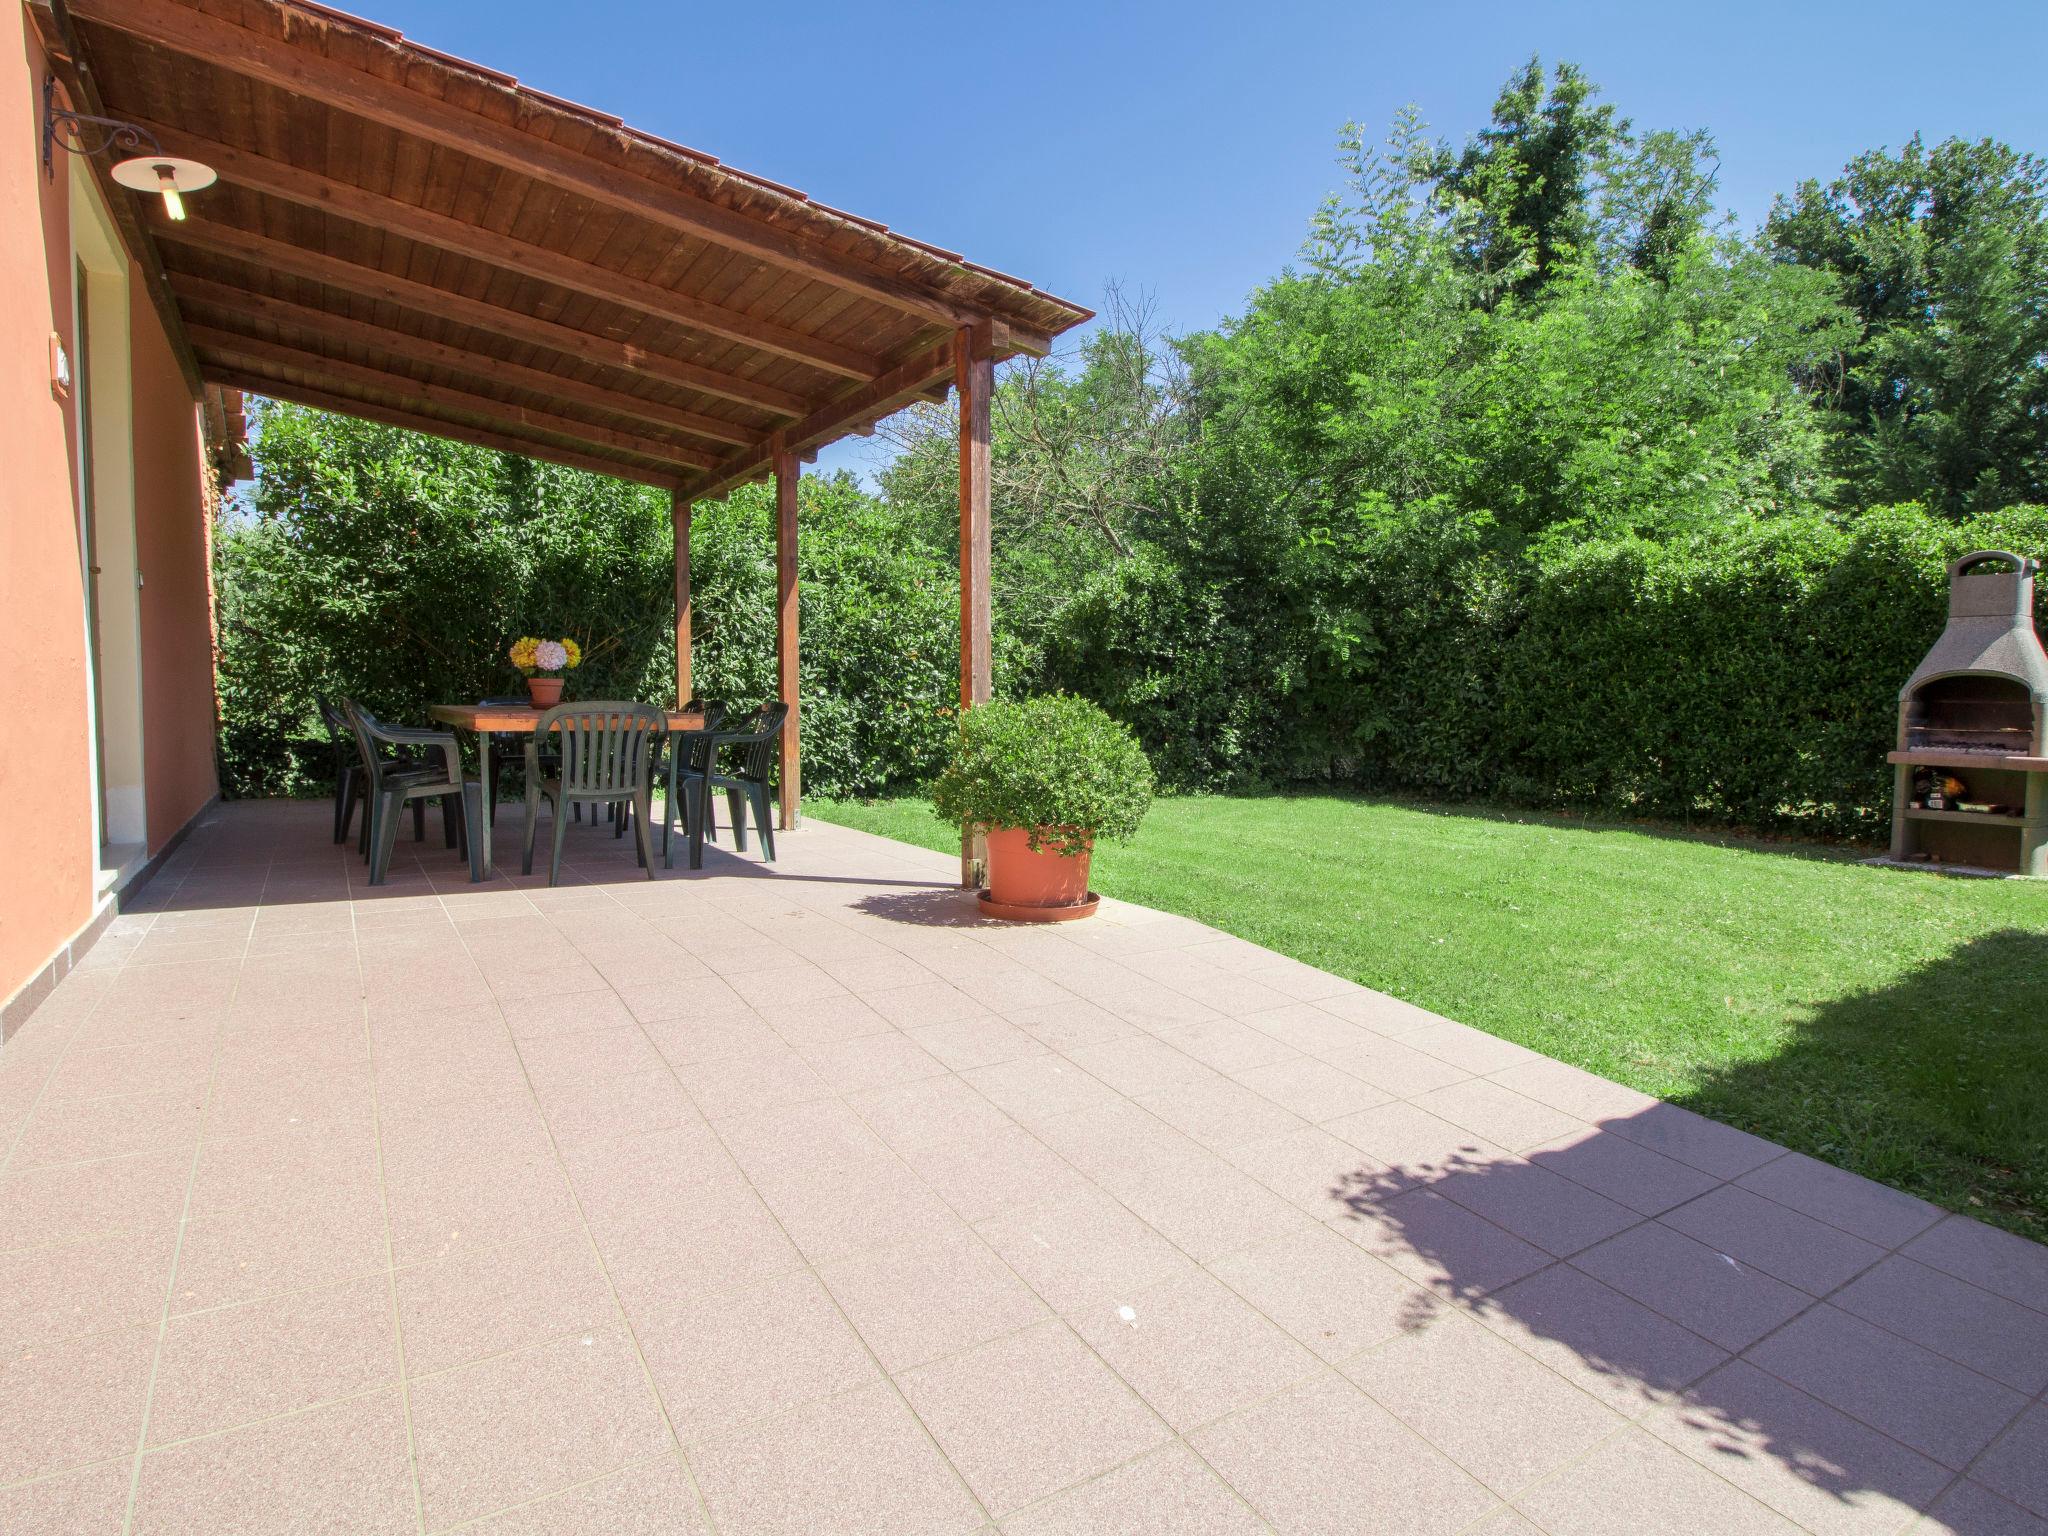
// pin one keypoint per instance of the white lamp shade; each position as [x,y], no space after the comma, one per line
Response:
[145,173]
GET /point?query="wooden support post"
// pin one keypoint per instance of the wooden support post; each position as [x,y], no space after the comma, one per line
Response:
[786,471]
[679,519]
[974,381]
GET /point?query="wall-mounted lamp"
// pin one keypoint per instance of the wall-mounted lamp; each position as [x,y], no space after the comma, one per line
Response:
[165,176]
[145,166]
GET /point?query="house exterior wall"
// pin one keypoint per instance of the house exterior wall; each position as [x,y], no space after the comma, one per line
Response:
[172,548]
[49,896]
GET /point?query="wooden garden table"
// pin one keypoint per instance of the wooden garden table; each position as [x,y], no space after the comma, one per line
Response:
[488,720]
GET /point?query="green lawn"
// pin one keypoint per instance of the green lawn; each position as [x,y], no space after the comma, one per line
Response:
[1893,1022]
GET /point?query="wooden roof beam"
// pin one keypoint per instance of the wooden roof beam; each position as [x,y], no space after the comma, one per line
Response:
[433,426]
[304,72]
[891,392]
[497,414]
[309,189]
[374,283]
[225,298]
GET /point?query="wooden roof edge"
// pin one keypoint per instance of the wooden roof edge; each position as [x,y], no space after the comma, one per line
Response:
[435,426]
[431,397]
[244,304]
[944,274]
[869,402]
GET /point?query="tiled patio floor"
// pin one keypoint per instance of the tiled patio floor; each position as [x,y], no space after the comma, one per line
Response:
[805,1204]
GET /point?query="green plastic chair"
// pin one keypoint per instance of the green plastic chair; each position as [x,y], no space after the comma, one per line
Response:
[689,753]
[607,750]
[391,784]
[348,775]
[373,766]
[755,749]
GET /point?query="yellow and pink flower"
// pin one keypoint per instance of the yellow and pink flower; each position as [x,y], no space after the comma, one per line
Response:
[545,657]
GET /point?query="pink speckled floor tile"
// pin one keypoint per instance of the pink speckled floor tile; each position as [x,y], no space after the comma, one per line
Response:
[76,1200]
[1084,1253]
[237,1364]
[1322,1459]
[1029,1414]
[287,1241]
[486,1301]
[859,1463]
[91,1502]
[1633,1486]
[747,1354]
[92,1286]
[1511,1421]
[518,1426]
[728,1148]
[655,1498]
[1166,1493]
[337,1469]
[72,1401]
[933,1298]
[1194,1350]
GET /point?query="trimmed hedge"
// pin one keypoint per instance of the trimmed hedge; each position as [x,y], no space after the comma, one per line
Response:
[1751,678]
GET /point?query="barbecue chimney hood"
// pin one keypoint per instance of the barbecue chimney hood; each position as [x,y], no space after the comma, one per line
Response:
[1990,627]
[1970,785]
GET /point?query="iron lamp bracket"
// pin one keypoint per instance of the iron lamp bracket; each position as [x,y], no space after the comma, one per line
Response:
[81,133]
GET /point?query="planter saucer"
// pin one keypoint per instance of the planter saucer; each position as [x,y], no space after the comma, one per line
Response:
[1014,912]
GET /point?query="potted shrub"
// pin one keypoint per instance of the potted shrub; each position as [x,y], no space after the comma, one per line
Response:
[1043,779]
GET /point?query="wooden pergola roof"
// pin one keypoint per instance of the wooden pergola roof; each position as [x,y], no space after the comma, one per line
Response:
[411,238]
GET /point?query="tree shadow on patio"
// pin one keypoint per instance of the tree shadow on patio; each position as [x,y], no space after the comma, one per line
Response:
[1808,1336]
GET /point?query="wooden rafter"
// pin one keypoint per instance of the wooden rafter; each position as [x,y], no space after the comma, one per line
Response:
[402,346]
[278,389]
[308,189]
[892,391]
[341,377]
[303,72]
[371,282]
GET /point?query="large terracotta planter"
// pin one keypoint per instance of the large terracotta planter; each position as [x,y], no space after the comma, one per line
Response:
[546,692]
[1041,887]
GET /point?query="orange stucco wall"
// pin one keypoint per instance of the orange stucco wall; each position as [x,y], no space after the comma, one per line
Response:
[45,837]
[171,552]
[47,817]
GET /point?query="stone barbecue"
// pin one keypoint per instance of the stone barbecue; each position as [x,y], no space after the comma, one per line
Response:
[1970,774]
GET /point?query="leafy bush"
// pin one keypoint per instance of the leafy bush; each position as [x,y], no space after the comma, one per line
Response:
[1057,766]
[397,569]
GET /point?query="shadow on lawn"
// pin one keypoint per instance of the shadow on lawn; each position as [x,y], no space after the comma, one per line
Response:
[1936,1083]
[1727,1362]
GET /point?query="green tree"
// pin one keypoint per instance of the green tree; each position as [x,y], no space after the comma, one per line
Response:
[1087,462]
[1943,256]
[396,569]
[1527,177]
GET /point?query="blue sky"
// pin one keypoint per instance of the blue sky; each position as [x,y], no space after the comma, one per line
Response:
[1180,148]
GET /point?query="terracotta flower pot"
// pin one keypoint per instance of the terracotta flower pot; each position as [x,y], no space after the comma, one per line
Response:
[1034,886]
[546,692]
